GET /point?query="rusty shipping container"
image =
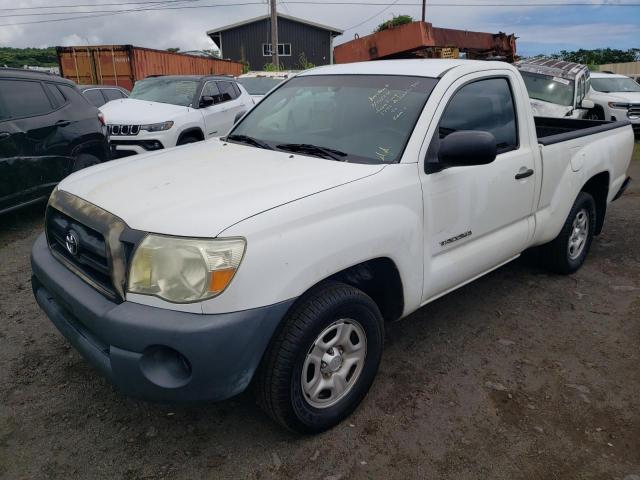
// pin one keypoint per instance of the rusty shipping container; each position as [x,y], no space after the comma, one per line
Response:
[123,65]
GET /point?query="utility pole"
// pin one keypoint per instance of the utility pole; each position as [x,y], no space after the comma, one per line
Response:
[274,35]
[424,9]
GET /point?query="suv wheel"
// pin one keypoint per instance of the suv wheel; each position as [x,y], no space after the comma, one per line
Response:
[84,160]
[187,139]
[322,362]
[567,252]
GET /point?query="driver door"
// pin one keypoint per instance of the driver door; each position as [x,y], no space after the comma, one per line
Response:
[478,217]
[214,116]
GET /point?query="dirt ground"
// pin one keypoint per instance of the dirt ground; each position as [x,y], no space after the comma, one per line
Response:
[519,375]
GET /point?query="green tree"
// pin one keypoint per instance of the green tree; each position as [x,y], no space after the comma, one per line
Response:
[599,56]
[18,57]
[173,49]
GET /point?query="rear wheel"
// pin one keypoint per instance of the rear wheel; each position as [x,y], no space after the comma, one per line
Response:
[84,160]
[568,251]
[322,362]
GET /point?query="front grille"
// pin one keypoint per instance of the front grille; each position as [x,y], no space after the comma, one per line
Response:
[91,257]
[634,111]
[104,242]
[117,129]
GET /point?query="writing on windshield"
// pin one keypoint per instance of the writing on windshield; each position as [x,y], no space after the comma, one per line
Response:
[352,118]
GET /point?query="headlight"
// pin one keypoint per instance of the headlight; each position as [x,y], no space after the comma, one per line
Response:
[157,127]
[182,270]
[618,105]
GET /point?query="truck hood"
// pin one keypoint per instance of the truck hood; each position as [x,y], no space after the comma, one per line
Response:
[622,97]
[201,189]
[547,109]
[140,112]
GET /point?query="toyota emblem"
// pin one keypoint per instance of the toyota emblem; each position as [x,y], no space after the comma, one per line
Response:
[72,242]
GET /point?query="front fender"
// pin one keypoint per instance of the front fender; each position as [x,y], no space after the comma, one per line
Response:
[295,246]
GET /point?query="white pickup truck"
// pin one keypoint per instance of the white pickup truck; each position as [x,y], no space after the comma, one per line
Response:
[350,196]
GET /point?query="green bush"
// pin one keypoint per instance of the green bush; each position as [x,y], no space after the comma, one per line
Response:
[394,22]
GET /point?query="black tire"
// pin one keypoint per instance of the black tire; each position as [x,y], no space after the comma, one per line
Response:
[84,160]
[556,255]
[187,139]
[279,379]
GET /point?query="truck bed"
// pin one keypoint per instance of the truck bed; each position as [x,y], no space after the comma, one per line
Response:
[554,130]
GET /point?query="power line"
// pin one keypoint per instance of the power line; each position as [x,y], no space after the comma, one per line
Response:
[117,12]
[160,6]
[40,7]
[373,16]
[311,2]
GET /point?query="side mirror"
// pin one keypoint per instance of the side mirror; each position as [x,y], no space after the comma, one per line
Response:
[465,148]
[588,104]
[206,101]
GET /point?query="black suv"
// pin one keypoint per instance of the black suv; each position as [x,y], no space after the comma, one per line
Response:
[47,130]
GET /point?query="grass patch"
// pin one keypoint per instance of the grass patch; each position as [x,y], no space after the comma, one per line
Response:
[636,152]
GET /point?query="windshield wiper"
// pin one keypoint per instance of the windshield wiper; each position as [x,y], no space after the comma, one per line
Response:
[313,150]
[250,140]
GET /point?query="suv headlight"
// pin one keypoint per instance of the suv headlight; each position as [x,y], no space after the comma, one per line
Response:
[618,105]
[157,127]
[183,270]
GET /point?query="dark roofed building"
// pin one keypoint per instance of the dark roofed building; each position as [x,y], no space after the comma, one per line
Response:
[250,41]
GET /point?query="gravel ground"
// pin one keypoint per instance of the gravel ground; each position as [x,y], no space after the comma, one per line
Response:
[519,375]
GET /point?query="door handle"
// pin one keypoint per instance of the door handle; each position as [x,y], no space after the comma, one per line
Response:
[4,135]
[63,123]
[524,173]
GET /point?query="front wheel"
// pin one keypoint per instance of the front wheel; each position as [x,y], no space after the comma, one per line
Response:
[187,139]
[323,360]
[568,251]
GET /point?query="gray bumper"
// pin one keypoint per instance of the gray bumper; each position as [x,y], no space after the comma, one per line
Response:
[149,352]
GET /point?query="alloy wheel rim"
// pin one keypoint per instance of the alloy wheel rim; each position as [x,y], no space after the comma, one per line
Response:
[334,363]
[579,234]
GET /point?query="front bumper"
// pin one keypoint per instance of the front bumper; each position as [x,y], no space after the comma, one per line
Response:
[153,353]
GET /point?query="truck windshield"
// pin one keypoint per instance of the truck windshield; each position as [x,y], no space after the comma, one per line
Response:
[353,118]
[549,89]
[176,91]
[614,84]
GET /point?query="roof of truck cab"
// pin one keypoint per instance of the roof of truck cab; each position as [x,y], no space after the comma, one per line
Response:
[552,67]
[429,67]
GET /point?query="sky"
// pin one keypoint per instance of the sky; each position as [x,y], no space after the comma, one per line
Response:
[541,29]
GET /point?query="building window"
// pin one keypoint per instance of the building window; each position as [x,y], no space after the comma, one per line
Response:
[284,49]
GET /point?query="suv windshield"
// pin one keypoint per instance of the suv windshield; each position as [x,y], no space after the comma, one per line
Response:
[614,84]
[259,85]
[352,118]
[549,89]
[176,91]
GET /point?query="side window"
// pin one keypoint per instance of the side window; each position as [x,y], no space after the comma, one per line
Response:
[237,89]
[95,97]
[210,89]
[23,98]
[485,105]
[73,94]
[56,95]
[112,94]
[227,91]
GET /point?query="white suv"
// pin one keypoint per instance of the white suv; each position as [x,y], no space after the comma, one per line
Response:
[616,97]
[166,111]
